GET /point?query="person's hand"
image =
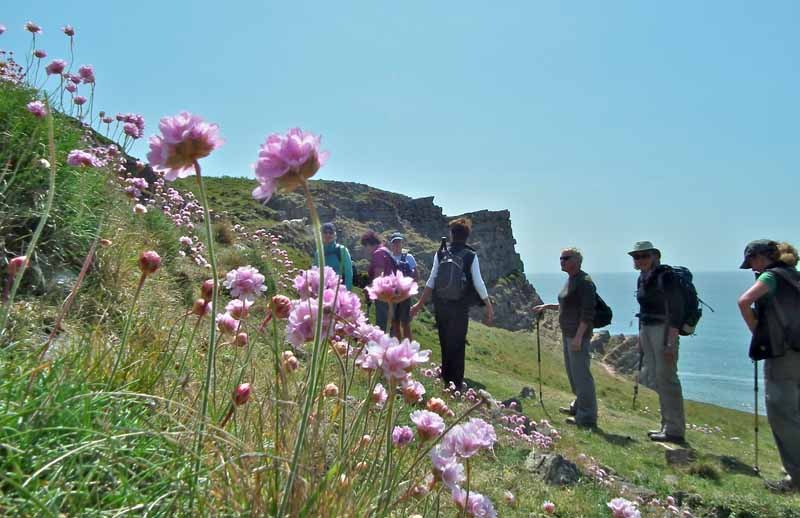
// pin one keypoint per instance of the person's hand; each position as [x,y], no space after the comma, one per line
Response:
[489,316]
[575,344]
[669,354]
[414,310]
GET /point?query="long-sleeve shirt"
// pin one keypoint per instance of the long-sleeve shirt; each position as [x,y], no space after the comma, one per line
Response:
[338,257]
[656,291]
[576,303]
[475,273]
[381,263]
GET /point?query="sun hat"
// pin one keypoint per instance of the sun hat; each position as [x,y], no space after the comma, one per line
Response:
[395,236]
[643,246]
[758,247]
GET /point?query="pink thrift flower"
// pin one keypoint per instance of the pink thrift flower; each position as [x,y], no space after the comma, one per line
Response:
[239,309]
[399,358]
[16,264]
[429,425]
[245,282]
[33,28]
[149,262]
[131,130]
[185,241]
[39,53]
[71,88]
[379,395]
[477,505]
[548,507]
[184,139]
[412,391]
[286,161]
[37,108]
[79,100]
[79,158]
[307,283]
[392,288]
[301,324]
[69,30]
[227,324]
[469,438]
[242,394]
[281,306]
[86,73]
[56,66]
[402,436]
[622,508]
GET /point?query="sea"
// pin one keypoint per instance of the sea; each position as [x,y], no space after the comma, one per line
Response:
[713,365]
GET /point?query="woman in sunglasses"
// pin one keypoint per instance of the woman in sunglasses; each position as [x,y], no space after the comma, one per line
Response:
[576,305]
[661,309]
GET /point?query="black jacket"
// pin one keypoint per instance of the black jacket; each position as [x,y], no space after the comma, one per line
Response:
[660,298]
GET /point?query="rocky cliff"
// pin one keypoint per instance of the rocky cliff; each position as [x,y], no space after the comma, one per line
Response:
[356,208]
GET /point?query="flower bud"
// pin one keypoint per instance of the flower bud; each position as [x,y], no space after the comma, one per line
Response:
[139,209]
[16,264]
[331,390]
[201,308]
[241,339]
[289,362]
[149,262]
[281,306]
[105,243]
[241,394]
[207,289]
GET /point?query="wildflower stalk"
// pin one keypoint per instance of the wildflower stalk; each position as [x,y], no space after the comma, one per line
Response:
[185,356]
[466,485]
[387,461]
[51,191]
[125,330]
[212,343]
[311,385]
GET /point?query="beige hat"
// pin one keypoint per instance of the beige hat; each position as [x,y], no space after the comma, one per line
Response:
[643,246]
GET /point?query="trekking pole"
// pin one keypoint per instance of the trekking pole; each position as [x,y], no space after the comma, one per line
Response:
[539,361]
[636,378]
[755,413]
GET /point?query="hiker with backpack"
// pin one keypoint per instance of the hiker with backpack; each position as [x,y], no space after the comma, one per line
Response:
[577,302]
[380,263]
[663,303]
[407,265]
[337,256]
[775,325]
[455,284]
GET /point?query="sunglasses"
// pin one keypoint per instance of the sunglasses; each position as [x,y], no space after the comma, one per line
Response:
[565,257]
[638,257]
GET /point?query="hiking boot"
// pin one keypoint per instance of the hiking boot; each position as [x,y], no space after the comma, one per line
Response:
[567,410]
[665,437]
[654,432]
[784,485]
[574,422]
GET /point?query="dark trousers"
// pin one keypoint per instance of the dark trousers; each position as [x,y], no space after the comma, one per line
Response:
[451,322]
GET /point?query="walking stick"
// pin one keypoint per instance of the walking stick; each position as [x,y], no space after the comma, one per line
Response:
[539,361]
[755,413]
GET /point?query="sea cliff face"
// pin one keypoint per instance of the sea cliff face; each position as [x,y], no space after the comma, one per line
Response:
[356,208]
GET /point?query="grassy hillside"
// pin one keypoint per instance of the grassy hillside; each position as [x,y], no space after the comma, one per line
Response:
[78,436]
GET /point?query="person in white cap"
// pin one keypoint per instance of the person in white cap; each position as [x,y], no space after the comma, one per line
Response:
[407,265]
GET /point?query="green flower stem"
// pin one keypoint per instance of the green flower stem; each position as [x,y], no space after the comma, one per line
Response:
[466,497]
[311,386]
[185,357]
[125,330]
[387,460]
[212,341]
[51,191]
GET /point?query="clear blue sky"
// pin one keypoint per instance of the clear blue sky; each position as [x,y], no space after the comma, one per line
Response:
[595,123]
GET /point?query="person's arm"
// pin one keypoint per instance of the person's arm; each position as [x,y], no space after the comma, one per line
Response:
[748,298]
[413,264]
[483,293]
[347,266]
[587,294]
[428,291]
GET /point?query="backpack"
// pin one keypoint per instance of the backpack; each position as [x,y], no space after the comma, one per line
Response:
[602,313]
[404,266]
[692,312]
[787,308]
[451,283]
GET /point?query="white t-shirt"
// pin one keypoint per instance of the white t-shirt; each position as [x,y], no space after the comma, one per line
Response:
[475,270]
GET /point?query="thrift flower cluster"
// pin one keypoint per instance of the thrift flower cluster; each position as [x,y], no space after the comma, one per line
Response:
[286,161]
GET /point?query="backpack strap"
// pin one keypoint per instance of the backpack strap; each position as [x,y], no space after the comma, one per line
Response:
[786,276]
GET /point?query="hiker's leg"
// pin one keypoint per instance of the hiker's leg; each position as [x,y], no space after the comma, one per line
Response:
[407,331]
[647,375]
[565,342]
[586,399]
[402,317]
[670,392]
[442,321]
[458,341]
[782,380]
[396,329]
[381,314]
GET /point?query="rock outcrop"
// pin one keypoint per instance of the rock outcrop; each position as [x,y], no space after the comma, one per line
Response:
[356,208]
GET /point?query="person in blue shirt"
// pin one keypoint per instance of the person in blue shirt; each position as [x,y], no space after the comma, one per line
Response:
[337,256]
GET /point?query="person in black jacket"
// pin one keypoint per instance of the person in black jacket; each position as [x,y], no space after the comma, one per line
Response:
[576,305]
[776,299]
[661,315]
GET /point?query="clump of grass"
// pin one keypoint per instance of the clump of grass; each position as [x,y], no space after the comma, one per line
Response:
[706,471]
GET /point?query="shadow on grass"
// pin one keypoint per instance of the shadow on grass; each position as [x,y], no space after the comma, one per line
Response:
[613,438]
[734,465]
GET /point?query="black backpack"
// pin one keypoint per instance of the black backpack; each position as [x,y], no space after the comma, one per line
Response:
[404,266]
[787,307]
[692,312]
[602,313]
[451,283]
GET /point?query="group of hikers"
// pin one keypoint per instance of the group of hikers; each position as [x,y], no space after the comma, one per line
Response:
[668,308]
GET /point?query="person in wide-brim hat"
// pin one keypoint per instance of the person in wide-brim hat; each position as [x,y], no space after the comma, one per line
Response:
[643,246]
